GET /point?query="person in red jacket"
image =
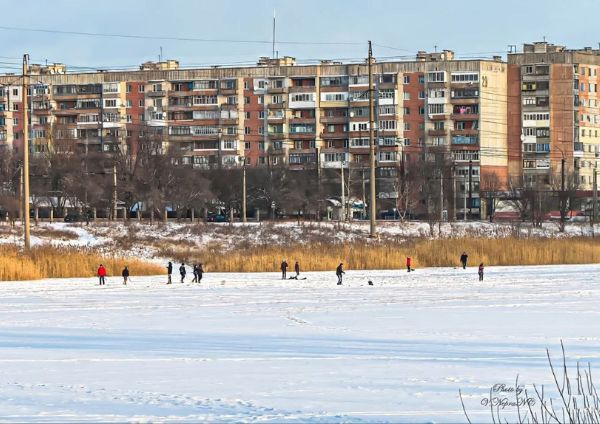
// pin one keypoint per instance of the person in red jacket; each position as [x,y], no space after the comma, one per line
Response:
[409,264]
[102,274]
[481,271]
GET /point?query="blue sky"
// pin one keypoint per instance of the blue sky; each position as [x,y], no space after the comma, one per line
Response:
[469,28]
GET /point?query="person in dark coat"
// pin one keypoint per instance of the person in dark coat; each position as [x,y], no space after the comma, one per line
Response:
[195,272]
[125,275]
[169,272]
[182,272]
[481,271]
[102,274]
[200,272]
[297,269]
[463,259]
[339,271]
[409,264]
[284,266]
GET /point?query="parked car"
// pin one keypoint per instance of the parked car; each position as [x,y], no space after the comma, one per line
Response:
[75,217]
[212,217]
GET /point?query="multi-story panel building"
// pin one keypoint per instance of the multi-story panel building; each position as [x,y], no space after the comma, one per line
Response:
[560,114]
[278,113]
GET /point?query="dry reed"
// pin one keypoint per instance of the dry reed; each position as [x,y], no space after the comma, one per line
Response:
[365,255]
[52,262]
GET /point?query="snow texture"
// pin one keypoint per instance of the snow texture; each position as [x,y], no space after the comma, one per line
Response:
[254,348]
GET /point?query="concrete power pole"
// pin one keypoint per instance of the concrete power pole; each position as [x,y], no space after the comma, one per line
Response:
[26,235]
[595,205]
[244,191]
[115,192]
[373,200]
[343,198]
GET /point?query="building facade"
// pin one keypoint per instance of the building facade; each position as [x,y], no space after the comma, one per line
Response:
[277,113]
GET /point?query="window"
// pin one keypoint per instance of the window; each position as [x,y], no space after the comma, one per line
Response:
[334,81]
[334,97]
[247,145]
[407,111]
[204,100]
[437,94]
[205,85]
[246,85]
[141,88]
[231,100]
[128,88]
[246,130]
[110,102]
[386,94]
[438,126]
[421,110]
[141,103]
[529,131]
[406,79]
[129,103]
[435,109]
[406,96]
[407,141]
[387,110]
[407,126]
[421,94]
[129,118]
[15,107]
[436,76]
[261,114]
[303,97]
[277,99]
[246,100]
[529,101]
[421,79]
[387,125]
[543,116]
[465,77]
[465,155]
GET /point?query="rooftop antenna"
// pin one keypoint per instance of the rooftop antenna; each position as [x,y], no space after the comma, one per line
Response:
[160,55]
[273,55]
[544,38]
[435,48]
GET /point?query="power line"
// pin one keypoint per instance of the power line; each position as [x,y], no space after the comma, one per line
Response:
[167,38]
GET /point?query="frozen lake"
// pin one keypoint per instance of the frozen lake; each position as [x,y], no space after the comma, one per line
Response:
[257,349]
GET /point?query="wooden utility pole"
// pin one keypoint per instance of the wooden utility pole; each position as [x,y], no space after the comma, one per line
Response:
[343,198]
[563,204]
[373,200]
[26,235]
[244,219]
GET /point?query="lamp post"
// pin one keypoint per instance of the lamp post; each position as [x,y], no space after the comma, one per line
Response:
[242,160]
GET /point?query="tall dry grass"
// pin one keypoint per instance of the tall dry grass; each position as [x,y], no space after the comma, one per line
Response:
[365,255]
[52,262]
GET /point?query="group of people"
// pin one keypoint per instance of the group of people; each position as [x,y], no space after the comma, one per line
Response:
[197,270]
[102,275]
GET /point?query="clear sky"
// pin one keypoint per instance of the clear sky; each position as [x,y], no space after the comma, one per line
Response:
[477,28]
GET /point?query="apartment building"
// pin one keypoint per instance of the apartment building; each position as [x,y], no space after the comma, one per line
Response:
[278,113]
[554,114]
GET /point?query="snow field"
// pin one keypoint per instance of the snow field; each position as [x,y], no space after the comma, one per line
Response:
[254,348]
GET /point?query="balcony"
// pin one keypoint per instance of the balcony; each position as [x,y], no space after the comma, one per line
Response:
[276,105]
[464,116]
[276,135]
[438,117]
[437,133]
[334,135]
[465,131]
[334,119]
[468,140]
[157,93]
[303,89]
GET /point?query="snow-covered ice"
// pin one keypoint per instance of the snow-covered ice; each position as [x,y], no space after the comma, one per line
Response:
[253,348]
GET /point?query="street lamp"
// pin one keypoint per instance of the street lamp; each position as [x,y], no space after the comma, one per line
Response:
[242,160]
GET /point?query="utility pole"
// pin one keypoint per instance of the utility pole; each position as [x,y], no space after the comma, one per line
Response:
[21,198]
[343,211]
[562,192]
[115,192]
[441,194]
[465,198]
[595,205]
[244,191]
[27,241]
[470,189]
[373,205]
[453,195]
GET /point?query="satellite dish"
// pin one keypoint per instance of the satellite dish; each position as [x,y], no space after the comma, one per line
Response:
[522,137]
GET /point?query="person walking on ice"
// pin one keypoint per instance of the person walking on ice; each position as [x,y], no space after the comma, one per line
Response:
[200,271]
[463,259]
[339,271]
[284,266]
[169,272]
[182,272]
[125,275]
[297,269]
[409,264]
[481,271]
[195,272]
[102,274]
